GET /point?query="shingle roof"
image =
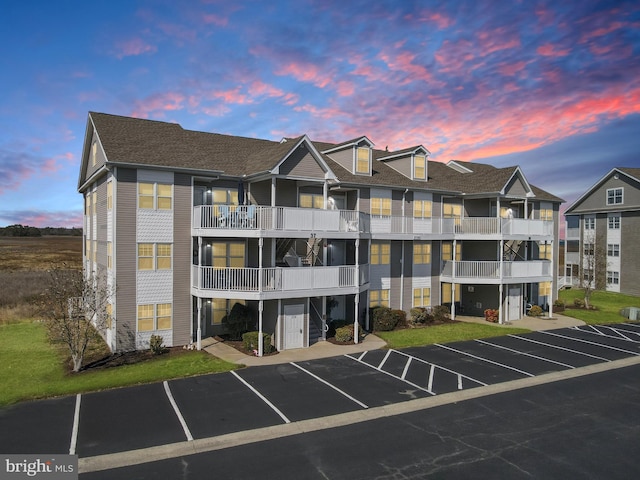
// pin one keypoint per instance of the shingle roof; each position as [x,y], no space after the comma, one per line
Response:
[129,140]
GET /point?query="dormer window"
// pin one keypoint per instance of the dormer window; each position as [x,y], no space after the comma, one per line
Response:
[363,160]
[419,167]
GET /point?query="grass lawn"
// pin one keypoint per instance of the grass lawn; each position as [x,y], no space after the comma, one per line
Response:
[608,306]
[32,368]
[445,333]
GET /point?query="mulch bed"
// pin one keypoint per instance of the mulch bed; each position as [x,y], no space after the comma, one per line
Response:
[239,345]
[129,358]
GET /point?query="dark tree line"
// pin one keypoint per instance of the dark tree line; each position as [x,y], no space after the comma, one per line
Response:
[26,231]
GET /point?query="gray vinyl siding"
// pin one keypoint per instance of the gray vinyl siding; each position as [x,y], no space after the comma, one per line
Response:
[301,164]
[125,257]
[100,159]
[182,260]
[597,199]
[516,187]
[630,253]
[402,165]
[344,158]
[365,200]
[396,203]
[477,208]
[436,210]
[286,193]
[601,250]
[407,298]
[261,193]
[396,271]
[436,266]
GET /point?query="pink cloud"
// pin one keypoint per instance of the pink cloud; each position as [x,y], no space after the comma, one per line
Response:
[306,72]
[509,70]
[212,19]
[550,50]
[495,41]
[232,96]
[159,102]
[441,20]
[133,47]
[40,219]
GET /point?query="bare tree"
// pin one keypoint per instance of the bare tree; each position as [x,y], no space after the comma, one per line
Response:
[75,306]
[593,265]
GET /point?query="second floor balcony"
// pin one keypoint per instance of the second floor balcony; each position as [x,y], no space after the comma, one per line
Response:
[278,282]
[492,272]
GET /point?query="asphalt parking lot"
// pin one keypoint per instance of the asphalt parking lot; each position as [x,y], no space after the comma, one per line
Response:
[208,406]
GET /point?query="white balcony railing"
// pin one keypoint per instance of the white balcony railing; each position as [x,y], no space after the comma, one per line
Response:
[491,269]
[252,217]
[278,278]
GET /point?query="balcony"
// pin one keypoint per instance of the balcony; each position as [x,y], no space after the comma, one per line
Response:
[213,218]
[489,271]
[278,282]
[475,227]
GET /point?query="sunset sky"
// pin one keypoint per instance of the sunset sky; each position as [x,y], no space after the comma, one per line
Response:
[552,86]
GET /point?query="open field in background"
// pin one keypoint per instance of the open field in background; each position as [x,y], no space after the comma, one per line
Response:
[607,306]
[23,265]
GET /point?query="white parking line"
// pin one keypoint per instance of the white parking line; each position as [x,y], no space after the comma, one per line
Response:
[432,370]
[546,332]
[406,368]
[485,360]
[620,335]
[459,375]
[384,359]
[262,397]
[329,385]
[76,424]
[524,353]
[390,374]
[187,432]
[559,348]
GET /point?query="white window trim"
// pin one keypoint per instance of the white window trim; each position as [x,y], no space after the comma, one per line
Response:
[621,202]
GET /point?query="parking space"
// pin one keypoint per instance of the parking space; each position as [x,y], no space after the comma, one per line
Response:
[212,405]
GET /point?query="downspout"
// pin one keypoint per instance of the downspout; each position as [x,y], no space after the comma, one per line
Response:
[404,230]
[260,302]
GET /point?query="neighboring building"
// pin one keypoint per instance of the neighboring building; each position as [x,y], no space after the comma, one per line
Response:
[603,234]
[187,223]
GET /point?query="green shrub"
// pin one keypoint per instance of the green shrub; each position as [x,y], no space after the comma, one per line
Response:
[238,321]
[441,313]
[334,325]
[344,334]
[558,305]
[535,311]
[156,344]
[383,319]
[400,317]
[250,341]
[578,303]
[421,316]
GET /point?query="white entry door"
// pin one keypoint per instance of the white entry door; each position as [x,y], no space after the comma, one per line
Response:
[515,307]
[293,326]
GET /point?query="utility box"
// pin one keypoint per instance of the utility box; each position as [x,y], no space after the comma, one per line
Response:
[632,313]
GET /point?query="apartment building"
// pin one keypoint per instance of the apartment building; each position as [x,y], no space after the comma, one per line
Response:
[185,224]
[602,233]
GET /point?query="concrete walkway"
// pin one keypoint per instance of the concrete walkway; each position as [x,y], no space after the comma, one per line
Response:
[323,349]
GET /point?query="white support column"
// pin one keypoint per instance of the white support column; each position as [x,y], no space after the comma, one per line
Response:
[453,279]
[554,275]
[199,283]
[260,263]
[273,191]
[199,332]
[260,338]
[356,325]
[325,194]
[500,265]
[324,318]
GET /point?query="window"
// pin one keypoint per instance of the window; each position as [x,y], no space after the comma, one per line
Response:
[145,256]
[228,254]
[422,209]
[220,308]
[380,253]
[546,214]
[109,255]
[362,162]
[421,253]
[311,200]
[155,196]
[589,223]
[154,317]
[419,167]
[109,195]
[588,275]
[378,298]
[614,196]
[421,297]
[545,251]
[381,206]
[614,222]
[163,256]
[451,210]
[544,288]
[613,250]
[154,256]
[447,248]
[613,278]
[446,293]
[589,249]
